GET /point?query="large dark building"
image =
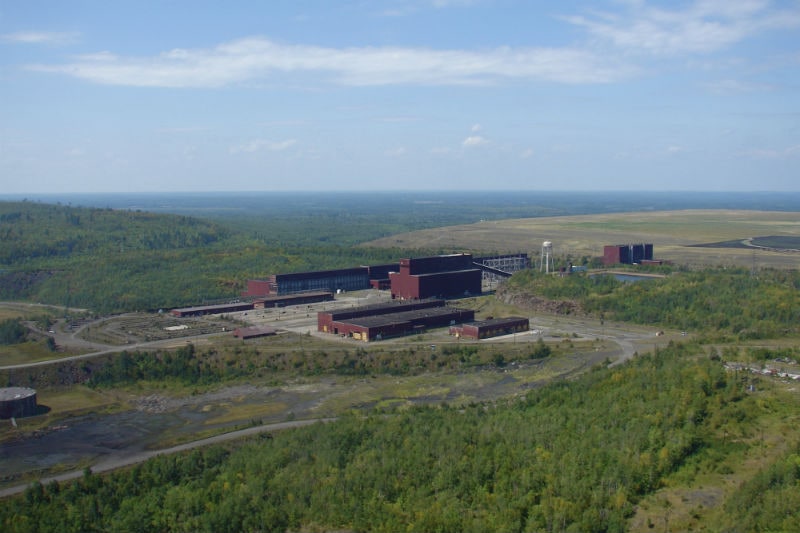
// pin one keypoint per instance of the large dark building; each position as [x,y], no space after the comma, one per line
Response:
[380,321]
[345,279]
[441,276]
[627,254]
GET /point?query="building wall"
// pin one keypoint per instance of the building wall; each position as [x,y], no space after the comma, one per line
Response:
[402,326]
[450,284]
[437,263]
[293,299]
[325,319]
[256,288]
[332,280]
[212,309]
[491,328]
[627,254]
[445,276]
[403,286]
[611,255]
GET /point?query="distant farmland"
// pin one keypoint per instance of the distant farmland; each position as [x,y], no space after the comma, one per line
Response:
[692,237]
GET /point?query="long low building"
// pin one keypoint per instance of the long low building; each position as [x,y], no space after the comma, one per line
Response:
[293,299]
[378,322]
[325,319]
[484,329]
[212,309]
[343,279]
[259,303]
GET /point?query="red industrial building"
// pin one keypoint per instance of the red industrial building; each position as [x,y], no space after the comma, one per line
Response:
[375,322]
[484,329]
[441,276]
[627,254]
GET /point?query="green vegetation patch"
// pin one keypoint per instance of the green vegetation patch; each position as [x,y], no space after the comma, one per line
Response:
[733,301]
[576,455]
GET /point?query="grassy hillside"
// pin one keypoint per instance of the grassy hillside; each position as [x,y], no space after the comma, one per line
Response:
[677,236]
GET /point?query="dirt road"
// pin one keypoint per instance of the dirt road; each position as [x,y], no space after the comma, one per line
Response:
[122,460]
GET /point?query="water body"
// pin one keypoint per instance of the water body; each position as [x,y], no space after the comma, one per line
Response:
[627,278]
[631,278]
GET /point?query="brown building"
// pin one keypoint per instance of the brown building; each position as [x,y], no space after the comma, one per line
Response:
[380,321]
[441,276]
[484,329]
[627,254]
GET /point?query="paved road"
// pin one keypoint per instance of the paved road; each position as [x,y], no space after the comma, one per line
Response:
[120,460]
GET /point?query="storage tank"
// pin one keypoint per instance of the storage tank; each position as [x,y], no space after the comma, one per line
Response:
[17,402]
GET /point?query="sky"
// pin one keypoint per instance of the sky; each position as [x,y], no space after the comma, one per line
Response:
[356,95]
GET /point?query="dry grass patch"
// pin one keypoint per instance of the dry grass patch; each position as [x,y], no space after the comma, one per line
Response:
[671,232]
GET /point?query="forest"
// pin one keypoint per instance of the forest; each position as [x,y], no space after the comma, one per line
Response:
[113,261]
[669,441]
[577,455]
[722,303]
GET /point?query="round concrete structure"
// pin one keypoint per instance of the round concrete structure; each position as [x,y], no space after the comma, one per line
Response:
[17,402]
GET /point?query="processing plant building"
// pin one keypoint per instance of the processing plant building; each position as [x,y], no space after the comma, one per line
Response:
[494,327]
[380,321]
[339,280]
[627,254]
[440,276]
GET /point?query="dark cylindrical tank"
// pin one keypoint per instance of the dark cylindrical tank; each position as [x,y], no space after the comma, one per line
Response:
[17,402]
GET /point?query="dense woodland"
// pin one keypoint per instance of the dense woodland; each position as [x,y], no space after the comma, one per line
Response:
[578,455]
[573,456]
[112,261]
[732,303]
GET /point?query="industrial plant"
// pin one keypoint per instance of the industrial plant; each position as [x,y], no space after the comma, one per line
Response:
[420,288]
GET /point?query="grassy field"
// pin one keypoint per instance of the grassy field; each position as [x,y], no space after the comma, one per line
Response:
[674,234]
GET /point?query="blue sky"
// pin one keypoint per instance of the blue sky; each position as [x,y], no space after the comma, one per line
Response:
[176,95]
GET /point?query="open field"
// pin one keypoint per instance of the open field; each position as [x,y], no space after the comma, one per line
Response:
[674,234]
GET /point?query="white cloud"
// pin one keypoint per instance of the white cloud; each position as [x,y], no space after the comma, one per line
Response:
[41,37]
[453,3]
[474,140]
[476,128]
[258,145]
[736,87]
[769,153]
[527,153]
[704,26]
[396,152]
[256,58]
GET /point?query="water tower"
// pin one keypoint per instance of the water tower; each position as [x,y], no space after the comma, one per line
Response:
[547,257]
